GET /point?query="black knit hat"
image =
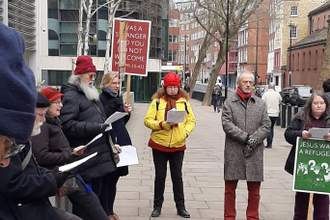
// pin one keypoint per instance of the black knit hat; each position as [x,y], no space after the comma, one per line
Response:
[42,101]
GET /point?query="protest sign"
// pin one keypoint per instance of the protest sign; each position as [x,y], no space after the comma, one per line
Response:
[311,173]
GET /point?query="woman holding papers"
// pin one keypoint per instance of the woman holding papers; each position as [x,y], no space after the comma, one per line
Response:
[315,114]
[113,102]
[51,148]
[168,141]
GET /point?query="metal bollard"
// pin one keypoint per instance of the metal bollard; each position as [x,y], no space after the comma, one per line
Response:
[283,114]
[296,109]
[289,115]
[278,121]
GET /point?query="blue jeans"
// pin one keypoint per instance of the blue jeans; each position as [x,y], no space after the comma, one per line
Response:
[271,133]
[216,104]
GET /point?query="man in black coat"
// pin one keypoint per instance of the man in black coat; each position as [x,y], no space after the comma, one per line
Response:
[83,118]
[25,187]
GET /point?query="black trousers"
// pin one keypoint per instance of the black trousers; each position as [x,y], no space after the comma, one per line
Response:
[160,162]
[87,205]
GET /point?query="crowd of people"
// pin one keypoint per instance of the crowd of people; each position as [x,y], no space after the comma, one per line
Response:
[41,131]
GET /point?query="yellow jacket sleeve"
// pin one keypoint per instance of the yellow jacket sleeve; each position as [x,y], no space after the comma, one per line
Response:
[149,120]
[190,120]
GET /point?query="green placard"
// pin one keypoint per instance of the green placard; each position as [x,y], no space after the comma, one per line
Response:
[311,173]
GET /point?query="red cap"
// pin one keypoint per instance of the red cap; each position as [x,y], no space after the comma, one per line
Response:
[84,64]
[51,93]
[172,79]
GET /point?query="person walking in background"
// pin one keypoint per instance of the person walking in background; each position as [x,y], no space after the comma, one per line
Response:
[113,102]
[216,98]
[246,124]
[51,148]
[315,114]
[273,100]
[187,87]
[326,89]
[168,140]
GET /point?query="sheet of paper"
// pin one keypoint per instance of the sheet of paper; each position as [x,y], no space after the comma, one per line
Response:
[175,116]
[114,117]
[318,132]
[72,165]
[128,156]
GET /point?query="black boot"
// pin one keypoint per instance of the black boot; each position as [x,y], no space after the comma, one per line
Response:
[183,213]
[156,212]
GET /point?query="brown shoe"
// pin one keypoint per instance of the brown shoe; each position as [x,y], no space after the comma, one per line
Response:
[115,216]
[111,217]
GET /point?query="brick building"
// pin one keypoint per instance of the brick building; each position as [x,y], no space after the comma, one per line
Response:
[253,45]
[282,14]
[307,54]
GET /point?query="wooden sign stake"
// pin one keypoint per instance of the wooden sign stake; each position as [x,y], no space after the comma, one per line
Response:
[310,206]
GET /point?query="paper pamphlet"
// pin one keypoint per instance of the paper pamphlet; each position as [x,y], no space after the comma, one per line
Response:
[72,165]
[114,117]
[175,116]
[318,132]
[128,156]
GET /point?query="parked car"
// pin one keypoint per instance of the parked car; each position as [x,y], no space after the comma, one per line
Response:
[299,94]
[285,93]
[260,90]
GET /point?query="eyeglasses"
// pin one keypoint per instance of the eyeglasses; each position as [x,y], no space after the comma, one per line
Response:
[172,87]
[57,103]
[92,76]
[115,83]
[14,149]
[41,115]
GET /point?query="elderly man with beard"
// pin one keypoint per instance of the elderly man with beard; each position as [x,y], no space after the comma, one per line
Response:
[246,124]
[82,119]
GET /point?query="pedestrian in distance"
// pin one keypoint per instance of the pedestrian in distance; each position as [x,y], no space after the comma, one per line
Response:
[168,140]
[187,87]
[51,148]
[246,124]
[273,100]
[326,89]
[315,114]
[25,187]
[216,98]
[112,102]
[82,119]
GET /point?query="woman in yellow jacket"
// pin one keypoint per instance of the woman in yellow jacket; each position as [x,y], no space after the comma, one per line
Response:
[168,140]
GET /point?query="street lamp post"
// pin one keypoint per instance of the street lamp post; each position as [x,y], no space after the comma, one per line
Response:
[185,58]
[290,70]
[227,35]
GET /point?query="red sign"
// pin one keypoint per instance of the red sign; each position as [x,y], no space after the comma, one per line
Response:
[137,46]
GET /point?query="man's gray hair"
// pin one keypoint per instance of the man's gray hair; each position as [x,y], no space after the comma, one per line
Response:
[271,85]
[74,79]
[244,72]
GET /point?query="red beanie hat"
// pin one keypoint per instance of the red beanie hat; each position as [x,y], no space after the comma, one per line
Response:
[84,64]
[51,93]
[171,79]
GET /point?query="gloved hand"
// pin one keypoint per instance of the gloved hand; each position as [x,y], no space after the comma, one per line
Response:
[166,126]
[250,146]
[60,177]
[119,100]
[103,127]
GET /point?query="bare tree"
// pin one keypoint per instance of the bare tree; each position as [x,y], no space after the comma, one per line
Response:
[239,12]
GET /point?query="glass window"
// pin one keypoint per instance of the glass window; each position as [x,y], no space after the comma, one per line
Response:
[57,78]
[294,11]
[69,50]
[68,27]
[69,38]
[293,32]
[69,4]
[69,15]
[182,48]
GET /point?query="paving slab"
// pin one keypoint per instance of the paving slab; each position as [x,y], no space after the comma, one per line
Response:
[202,174]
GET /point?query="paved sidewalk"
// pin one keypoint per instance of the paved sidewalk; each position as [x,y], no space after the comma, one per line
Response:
[203,174]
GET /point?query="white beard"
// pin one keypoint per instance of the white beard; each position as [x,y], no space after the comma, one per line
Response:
[90,91]
[36,129]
